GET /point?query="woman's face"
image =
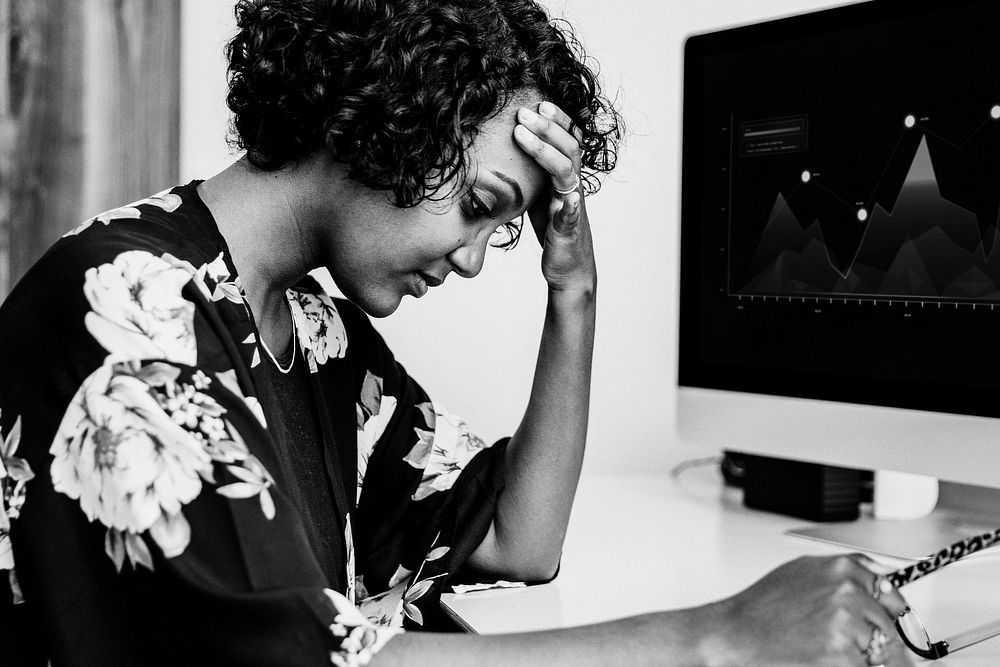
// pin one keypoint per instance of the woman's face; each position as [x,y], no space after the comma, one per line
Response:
[381,253]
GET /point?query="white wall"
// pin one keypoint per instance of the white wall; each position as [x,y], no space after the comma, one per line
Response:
[206,25]
[472,344]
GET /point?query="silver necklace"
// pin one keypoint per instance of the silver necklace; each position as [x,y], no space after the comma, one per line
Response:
[267,350]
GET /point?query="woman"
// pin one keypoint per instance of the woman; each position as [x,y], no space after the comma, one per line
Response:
[207,459]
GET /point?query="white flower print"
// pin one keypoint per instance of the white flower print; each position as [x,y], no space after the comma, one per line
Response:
[222,285]
[254,480]
[420,587]
[252,340]
[138,311]
[321,331]
[256,408]
[136,445]
[15,473]
[360,640]
[351,561]
[390,606]
[229,381]
[166,200]
[197,274]
[442,452]
[386,608]
[374,412]
[225,288]
[130,465]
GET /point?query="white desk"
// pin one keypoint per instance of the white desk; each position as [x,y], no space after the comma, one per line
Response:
[640,543]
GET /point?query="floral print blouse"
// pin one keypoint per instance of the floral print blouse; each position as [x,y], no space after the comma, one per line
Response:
[145,516]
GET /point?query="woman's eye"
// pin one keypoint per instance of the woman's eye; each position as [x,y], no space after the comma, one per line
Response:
[478,207]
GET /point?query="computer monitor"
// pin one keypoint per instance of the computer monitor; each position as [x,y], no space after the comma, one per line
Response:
[840,250]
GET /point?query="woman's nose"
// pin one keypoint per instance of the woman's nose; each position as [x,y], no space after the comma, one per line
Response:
[468,258]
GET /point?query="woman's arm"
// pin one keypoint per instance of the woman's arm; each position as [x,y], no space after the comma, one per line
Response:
[661,638]
[546,452]
[811,611]
[544,456]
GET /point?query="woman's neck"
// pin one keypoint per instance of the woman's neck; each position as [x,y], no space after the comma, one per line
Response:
[265,218]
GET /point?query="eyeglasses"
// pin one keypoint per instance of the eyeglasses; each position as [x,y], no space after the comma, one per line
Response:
[911,630]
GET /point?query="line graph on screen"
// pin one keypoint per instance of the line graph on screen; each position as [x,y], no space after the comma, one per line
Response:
[917,243]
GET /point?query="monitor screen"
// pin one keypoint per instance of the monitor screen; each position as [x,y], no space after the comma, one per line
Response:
[841,197]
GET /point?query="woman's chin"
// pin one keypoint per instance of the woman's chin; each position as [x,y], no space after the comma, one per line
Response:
[377,305]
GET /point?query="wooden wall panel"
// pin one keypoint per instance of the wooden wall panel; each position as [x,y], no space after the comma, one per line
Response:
[89,115]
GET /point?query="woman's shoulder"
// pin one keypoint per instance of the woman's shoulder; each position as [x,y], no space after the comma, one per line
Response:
[171,224]
[175,219]
[139,249]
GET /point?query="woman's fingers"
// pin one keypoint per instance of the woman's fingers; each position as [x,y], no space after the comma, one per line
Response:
[562,209]
[559,117]
[877,605]
[552,126]
[877,645]
[568,216]
[880,588]
[890,598]
[551,145]
[548,136]
[822,610]
[559,217]
[559,165]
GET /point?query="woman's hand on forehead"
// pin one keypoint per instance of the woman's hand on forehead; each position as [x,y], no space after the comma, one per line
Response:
[547,136]
[560,220]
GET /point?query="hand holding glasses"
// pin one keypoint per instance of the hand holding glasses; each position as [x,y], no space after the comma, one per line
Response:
[911,630]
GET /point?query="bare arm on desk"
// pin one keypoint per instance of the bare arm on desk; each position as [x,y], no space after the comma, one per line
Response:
[809,611]
[546,452]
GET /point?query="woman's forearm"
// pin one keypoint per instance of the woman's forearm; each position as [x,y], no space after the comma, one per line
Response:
[810,611]
[546,452]
[677,637]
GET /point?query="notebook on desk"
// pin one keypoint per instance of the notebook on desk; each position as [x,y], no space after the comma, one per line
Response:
[912,539]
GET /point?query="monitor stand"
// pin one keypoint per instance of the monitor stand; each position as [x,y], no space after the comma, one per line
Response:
[961,511]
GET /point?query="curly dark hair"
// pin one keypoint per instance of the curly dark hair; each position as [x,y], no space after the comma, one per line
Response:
[398,89]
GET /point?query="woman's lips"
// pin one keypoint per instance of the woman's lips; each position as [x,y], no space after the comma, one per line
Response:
[431,280]
[419,285]
[422,281]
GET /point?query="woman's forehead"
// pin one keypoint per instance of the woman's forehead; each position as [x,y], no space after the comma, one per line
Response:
[494,146]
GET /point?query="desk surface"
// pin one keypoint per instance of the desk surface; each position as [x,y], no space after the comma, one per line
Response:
[639,543]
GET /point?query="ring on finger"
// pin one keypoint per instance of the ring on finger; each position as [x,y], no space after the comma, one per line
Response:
[873,652]
[880,586]
[569,190]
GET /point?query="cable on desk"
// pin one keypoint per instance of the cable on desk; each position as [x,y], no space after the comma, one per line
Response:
[691,464]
